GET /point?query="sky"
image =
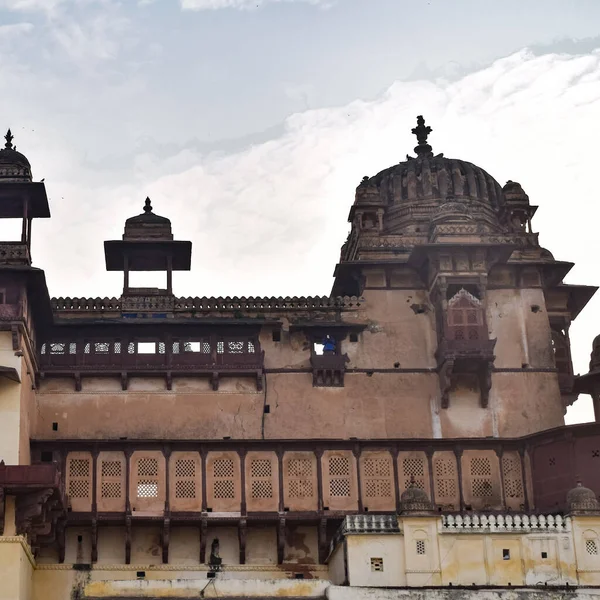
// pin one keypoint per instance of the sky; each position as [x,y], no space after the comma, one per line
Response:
[249,123]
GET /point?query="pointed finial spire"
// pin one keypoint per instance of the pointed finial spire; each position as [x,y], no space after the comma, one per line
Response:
[9,138]
[147,206]
[422,131]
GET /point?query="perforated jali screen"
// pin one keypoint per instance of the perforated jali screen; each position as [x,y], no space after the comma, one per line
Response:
[223,485]
[261,474]
[514,493]
[445,477]
[111,481]
[79,484]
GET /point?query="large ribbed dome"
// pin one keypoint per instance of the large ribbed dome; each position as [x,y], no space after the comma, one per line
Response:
[14,166]
[413,190]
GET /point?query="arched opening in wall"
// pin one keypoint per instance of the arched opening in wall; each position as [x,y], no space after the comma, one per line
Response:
[465,316]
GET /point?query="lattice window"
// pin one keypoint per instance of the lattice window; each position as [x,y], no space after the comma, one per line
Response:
[481,477]
[378,488]
[377,564]
[224,489]
[236,347]
[339,466]
[117,347]
[261,472]
[72,348]
[101,347]
[110,479]
[446,484]
[223,467]
[57,348]
[465,316]
[186,488]
[110,489]
[185,478]
[339,477]
[513,482]
[147,467]
[147,488]
[223,485]
[300,467]
[591,547]
[185,467]
[301,489]
[251,348]
[413,472]
[300,478]
[79,478]
[377,473]
[220,347]
[420,547]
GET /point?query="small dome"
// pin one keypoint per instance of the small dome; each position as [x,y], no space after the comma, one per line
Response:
[14,166]
[581,498]
[414,499]
[148,226]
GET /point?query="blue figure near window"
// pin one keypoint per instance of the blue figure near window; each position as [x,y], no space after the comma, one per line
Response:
[328,345]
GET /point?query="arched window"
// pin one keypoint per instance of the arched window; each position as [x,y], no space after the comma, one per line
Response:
[465,316]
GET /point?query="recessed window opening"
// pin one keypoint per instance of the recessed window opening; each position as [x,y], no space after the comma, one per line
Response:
[326,345]
[505,554]
[591,547]
[318,349]
[2,297]
[354,337]
[191,346]
[544,555]
[146,348]
[377,564]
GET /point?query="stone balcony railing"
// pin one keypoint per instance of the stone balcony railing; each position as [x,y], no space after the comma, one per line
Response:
[14,253]
[505,523]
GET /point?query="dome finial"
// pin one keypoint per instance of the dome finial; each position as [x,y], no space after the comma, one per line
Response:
[147,205]
[9,138]
[422,131]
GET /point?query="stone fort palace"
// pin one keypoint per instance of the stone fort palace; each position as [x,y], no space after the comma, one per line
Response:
[401,437]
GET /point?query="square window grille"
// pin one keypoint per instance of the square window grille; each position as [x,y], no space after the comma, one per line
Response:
[117,347]
[301,488]
[223,467]
[147,489]
[513,488]
[79,488]
[251,349]
[185,467]
[420,547]
[481,467]
[205,348]
[339,465]
[414,467]
[446,488]
[445,467]
[339,488]
[378,488]
[79,467]
[591,547]
[482,488]
[185,489]
[300,467]
[224,489]
[101,347]
[377,467]
[147,467]
[220,347]
[262,489]
[377,564]
[73,348]
[260,467]
[110,489]
[111,468]
[236,347]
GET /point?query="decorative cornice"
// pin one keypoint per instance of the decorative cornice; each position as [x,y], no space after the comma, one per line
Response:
[20,539]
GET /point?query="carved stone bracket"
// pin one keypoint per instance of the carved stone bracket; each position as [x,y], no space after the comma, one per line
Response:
[38,514]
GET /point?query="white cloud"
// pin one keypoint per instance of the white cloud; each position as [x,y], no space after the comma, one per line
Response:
[269,220]
[10,32]
[241,4]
